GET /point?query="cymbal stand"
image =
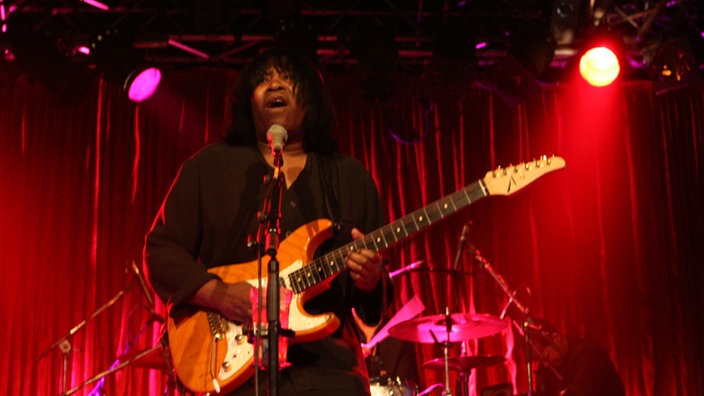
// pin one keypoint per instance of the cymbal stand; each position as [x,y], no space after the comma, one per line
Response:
[446,351]
[64,343]
[511,300]
[462,383]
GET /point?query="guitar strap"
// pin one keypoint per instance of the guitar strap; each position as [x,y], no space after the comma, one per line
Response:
[327,169]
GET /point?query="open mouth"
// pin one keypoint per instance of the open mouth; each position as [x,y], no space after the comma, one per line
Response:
[276,102]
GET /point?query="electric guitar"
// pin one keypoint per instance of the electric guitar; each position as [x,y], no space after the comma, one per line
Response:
[212,354]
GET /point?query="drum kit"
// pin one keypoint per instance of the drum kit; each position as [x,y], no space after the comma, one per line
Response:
[443,329]
[451,328]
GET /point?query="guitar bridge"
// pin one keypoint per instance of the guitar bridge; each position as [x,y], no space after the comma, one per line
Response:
[218,324]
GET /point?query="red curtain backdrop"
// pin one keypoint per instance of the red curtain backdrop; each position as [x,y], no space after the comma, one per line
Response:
[609,248]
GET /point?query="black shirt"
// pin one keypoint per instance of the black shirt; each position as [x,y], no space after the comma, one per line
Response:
[211,211]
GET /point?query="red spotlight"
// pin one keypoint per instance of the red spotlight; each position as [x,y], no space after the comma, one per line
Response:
[599,66]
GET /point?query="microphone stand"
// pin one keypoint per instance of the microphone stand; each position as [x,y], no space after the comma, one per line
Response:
[117,364]
[273,228]
[521,307]
[64,344]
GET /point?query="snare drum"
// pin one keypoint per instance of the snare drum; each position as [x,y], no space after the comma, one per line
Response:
[386,386]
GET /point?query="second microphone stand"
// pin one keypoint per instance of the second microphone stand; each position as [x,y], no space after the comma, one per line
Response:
[521,307]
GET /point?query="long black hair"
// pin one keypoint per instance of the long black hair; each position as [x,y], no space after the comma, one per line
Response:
[310,92]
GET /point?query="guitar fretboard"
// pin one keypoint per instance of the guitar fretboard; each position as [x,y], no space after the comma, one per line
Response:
[333,262]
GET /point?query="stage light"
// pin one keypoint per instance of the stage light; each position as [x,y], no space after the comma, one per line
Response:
[3,17]
[117,60]
[601,60]
[599,66]
[97,4]
[141,84]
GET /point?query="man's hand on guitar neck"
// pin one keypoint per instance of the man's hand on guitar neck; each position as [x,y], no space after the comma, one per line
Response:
[366,266]
[230,299]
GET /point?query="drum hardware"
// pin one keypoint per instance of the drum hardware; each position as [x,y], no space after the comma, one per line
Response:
[447,329]
[512,300]
[431,388]
[464,365]
[452,328]
[386,386]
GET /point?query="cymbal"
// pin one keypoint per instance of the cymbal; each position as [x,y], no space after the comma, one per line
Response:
[464,363]
[153,359]
[434,329]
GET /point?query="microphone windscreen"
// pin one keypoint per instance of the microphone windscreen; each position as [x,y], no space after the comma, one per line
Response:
[276,137]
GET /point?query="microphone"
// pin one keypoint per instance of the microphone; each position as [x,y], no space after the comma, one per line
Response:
[410,267]
[460,244]
[276,137]
[143,284]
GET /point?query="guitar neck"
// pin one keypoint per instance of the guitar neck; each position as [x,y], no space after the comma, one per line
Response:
[333,262]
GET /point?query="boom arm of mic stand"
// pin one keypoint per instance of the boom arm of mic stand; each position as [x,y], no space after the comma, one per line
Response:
[512,299]
[82,324]
[499,279]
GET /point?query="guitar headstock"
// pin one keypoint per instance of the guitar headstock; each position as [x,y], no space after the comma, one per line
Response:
[506,181]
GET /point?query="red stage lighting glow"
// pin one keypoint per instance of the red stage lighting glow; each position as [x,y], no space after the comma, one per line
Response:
[4,14]
[599,66]
[142,84]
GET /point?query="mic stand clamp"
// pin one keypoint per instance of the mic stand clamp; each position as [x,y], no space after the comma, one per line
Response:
[65,348]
